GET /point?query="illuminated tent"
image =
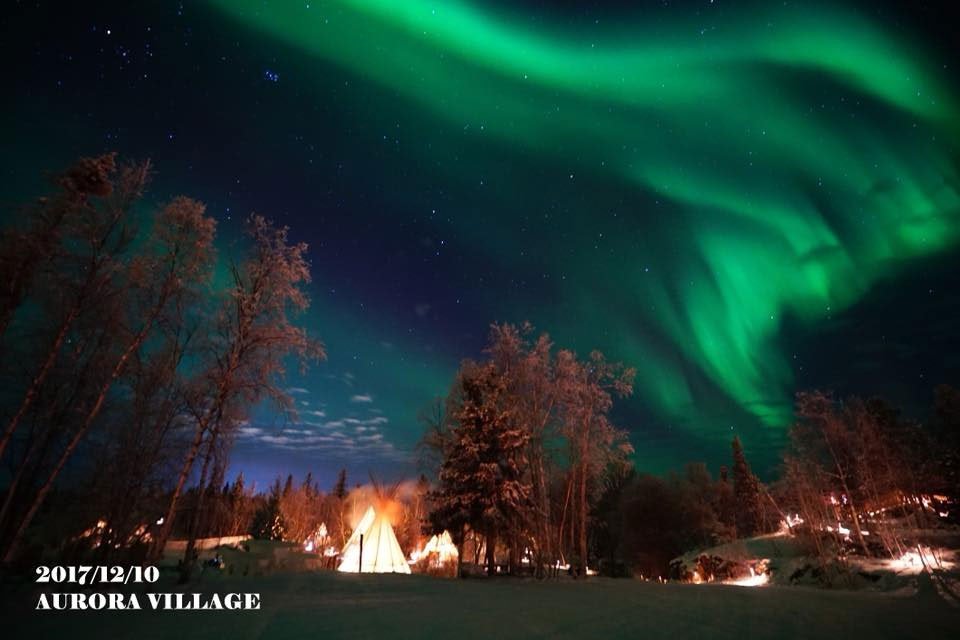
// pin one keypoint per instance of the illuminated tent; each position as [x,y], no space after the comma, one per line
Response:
[381,552]
[440,549]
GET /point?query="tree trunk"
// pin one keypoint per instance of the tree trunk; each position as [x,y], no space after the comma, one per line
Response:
[38,380]
[849,496]
[45,489]
[78,436]
[809,517]
[491,559]
[11,493]
[583,518]
[563,516]
[545,543]
[167,525]
[215,411]
[40,497]
[192,529]
[15,483]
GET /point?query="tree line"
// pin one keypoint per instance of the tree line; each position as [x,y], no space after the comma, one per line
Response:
[856,479]
[528,463]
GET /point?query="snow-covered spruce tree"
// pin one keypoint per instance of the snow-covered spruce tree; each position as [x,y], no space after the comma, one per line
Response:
[746,493]
[482,481]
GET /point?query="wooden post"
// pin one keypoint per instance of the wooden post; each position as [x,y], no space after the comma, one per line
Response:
[360,564]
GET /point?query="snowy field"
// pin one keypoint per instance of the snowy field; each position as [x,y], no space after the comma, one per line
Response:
[330,605]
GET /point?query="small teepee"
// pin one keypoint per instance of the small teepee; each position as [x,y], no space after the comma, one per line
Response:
[439,549]
[380,551]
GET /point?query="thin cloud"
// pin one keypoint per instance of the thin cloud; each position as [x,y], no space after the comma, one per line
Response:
[347,438]
[362,397]
[347,378]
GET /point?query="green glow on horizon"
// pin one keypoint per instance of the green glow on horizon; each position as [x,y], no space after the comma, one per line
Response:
[804,152]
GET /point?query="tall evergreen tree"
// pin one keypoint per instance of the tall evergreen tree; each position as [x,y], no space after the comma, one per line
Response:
[482,482]
[269,523]
[726,503]
[746,494]
[238,510]
[307,486]
[340,488]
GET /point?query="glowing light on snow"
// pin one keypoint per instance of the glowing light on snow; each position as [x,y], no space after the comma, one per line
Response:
[755,580]
[915,562]
[907,562]
[790,522]
[95,530]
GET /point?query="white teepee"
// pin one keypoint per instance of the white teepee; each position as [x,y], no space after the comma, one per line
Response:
[381,551]
[440,549]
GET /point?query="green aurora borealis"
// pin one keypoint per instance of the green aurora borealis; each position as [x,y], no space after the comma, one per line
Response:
[670,187]
[786,208]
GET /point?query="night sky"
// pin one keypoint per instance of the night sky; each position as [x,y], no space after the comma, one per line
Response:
[738,200]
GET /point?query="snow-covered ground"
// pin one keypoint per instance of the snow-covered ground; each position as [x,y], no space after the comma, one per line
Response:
[327,604]
[777,558]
